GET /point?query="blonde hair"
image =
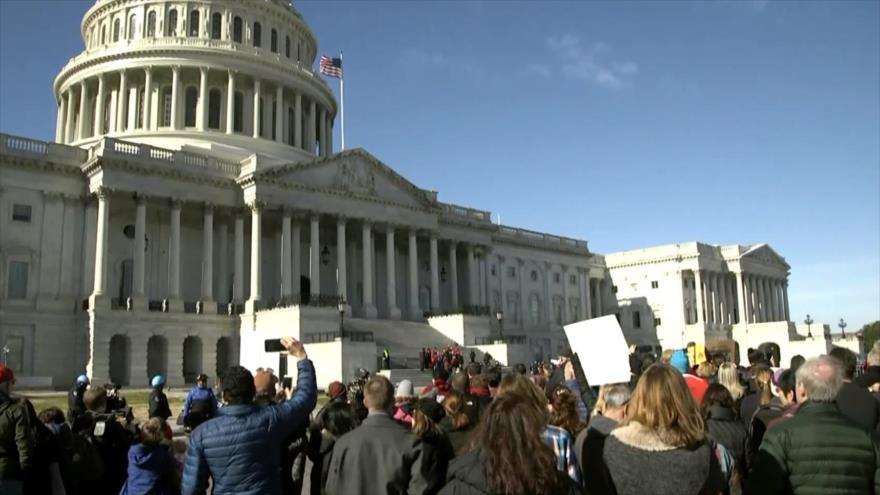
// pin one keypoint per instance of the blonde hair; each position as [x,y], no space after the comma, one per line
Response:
[728,376]
[706,370]
[763,378]
[666,357]
[663,403]
[153,431]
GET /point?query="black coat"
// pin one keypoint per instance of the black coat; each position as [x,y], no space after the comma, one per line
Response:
[467,476]
[75,405]
[589,448]
[871,376]
[725,429]
[859,405]
[159,405]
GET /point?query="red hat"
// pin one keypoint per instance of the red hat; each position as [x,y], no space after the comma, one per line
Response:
[335,389]
[6,374]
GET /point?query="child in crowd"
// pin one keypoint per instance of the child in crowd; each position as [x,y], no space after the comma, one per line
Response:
[151,467]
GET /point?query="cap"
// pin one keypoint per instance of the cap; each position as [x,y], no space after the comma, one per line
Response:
[430,408]
[6,374]
[82,380]
[404,390]
[679,361]
[335,389]
[157,381]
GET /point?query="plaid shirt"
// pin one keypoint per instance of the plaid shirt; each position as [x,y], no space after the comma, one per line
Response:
[563,446]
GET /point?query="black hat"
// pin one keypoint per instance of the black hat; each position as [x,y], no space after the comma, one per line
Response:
[430,408]
[202,378]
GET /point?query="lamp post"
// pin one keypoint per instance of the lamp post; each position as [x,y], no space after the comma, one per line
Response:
[808,322]
[341,308]
[842,325]
[499,315]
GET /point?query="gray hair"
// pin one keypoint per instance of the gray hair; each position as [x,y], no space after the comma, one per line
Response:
[822,378]
[617,396]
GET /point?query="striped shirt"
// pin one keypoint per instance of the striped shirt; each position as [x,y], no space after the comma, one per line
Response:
[563,446]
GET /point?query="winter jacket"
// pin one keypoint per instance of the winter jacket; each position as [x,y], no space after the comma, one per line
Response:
[438,454]
[460,439]
[817,451]
[871,376]
[467,476]
[159,405]
[151,471]
[241,447]
[589,449]
[17,438]
[857,404]
[320,462]
[640,462]
[697,386]
[200,406]
[724,428]
[75,405]
[757,426]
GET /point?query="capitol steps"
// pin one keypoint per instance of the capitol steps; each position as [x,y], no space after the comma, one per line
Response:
[403,339]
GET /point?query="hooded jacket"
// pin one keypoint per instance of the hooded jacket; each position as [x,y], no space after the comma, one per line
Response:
[151,471]
[727,430]
[17,438]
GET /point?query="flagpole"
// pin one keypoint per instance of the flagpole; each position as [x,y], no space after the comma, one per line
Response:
[341,105]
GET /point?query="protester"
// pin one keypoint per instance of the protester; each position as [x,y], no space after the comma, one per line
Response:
[158,400]
[788,397]
[728,376]
[723,426]
[855,402]
[115,402]
[75,405]
[796,361]
[151,467]
[572,384]
[111,440]
[50,453]
[403,403]
[695,384]
[564,411]
[17,436]
[232,448]
[871,376]
[474,369]
[510,457]
[437,449]
[661,446]
[336,420]
[818,450]
[590,443]
[380,455]
[200,404]
[458,423]
[439,386]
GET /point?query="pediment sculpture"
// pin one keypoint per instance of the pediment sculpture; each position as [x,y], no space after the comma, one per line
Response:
[355,177]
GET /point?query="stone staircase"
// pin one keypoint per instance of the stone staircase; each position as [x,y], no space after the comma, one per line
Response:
[403,339]
[418,378]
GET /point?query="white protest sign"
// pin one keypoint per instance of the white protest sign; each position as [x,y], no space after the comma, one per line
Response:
[601,348]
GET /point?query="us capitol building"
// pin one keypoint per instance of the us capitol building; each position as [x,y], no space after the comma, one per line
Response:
[193,205]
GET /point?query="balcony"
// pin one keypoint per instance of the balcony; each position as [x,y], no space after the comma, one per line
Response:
[539,239]
[113,148]
[53,152]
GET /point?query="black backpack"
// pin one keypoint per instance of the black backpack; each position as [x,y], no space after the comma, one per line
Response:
[82,458]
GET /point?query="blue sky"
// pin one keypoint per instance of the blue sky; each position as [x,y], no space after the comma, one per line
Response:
[628,124]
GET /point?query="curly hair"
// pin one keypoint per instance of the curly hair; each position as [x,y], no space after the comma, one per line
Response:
[516,459]
[564,411]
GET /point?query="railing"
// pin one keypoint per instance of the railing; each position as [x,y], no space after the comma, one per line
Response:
[25,146]
[507,339]
[320,300]
[466,310]
[541,238]
[113,146]
[470,213]
[354,336]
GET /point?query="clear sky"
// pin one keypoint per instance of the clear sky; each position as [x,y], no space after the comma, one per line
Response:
[628,124]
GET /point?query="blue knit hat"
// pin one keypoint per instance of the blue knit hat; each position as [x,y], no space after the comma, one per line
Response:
[679,361]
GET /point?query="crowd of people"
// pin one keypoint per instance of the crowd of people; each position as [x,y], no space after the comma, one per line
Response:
[676,428]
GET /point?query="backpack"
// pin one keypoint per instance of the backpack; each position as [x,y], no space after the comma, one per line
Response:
[82,459]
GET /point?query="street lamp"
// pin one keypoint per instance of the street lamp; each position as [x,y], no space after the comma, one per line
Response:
[808,322]
[341,308]
[842,325]
[499,315]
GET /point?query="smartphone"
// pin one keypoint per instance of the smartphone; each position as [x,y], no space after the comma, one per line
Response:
[273,345]
[287,382]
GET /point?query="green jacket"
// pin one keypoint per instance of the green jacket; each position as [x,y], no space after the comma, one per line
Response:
[16,438]
[817,451]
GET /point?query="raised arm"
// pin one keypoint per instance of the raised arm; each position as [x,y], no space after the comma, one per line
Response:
[296,411]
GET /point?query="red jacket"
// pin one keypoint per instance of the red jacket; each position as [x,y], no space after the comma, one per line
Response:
[697,385]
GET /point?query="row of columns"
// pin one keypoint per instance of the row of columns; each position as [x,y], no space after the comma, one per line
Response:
[722,298]
[78,122]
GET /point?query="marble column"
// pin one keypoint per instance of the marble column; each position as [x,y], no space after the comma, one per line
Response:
[523,299]
[297,121]
[586,297]
[341,267]
[785,299]
[286,272]
[140,228]
[367,251]
[83,110]
[148,94]
[741,298]
[174,302]
[257,98]
[472,276]
[768,300]
[230,103]
[310,122]
[599,307]
[453,275]
[566,308]
[223,261]
[391,281]
[208,305]
[483,278]
[501,289]
[761,300]
[722,300]
[202,107]
[60,119]
[415,312]
[122,101]
[296,259]
[68,117]
[101,246]
[238,260]
[315,257]
[256,257]
[698,289]
[435,273]
[279,114]
[99,108]
[175,97]
[777,304]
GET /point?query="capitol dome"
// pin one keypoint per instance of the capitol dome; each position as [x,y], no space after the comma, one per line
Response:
[228,78]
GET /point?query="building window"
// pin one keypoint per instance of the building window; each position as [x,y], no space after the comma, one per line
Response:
[17,282]
[116,30]
[21,213]
[273,41]
[258,35]
[236,29]
[287,46]
[171,28]
[614,289]
[151,24]
[637,319]
[534,275]
[132,27]
[216,25]
[511,271]
[194,23]
[558,312]
[534,309]
[192,99]
[572,280]
[557,278]
[654,284]
[214,109]
[238,117]
[656,322]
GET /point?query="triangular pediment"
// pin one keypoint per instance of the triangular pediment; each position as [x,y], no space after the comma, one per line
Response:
[357,173]
[765,254]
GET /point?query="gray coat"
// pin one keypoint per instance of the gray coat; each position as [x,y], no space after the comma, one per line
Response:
[379,456]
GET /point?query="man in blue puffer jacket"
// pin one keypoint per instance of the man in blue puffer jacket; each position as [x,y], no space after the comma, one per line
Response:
[241,447]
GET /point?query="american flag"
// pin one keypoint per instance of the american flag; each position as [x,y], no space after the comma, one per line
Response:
[331,66]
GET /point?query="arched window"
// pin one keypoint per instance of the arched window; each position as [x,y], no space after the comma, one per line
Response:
[194,23]
[258,35]
[214,109]
[534,309]
[132,27]
[192,99]
[171,26]
[116,30]
[287,46]
[236,29]
[216,25]
[238,115]
[274,41]
[151,24]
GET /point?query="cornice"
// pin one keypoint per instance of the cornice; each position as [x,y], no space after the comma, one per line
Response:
[41,164]
[250,180]
[179,173]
